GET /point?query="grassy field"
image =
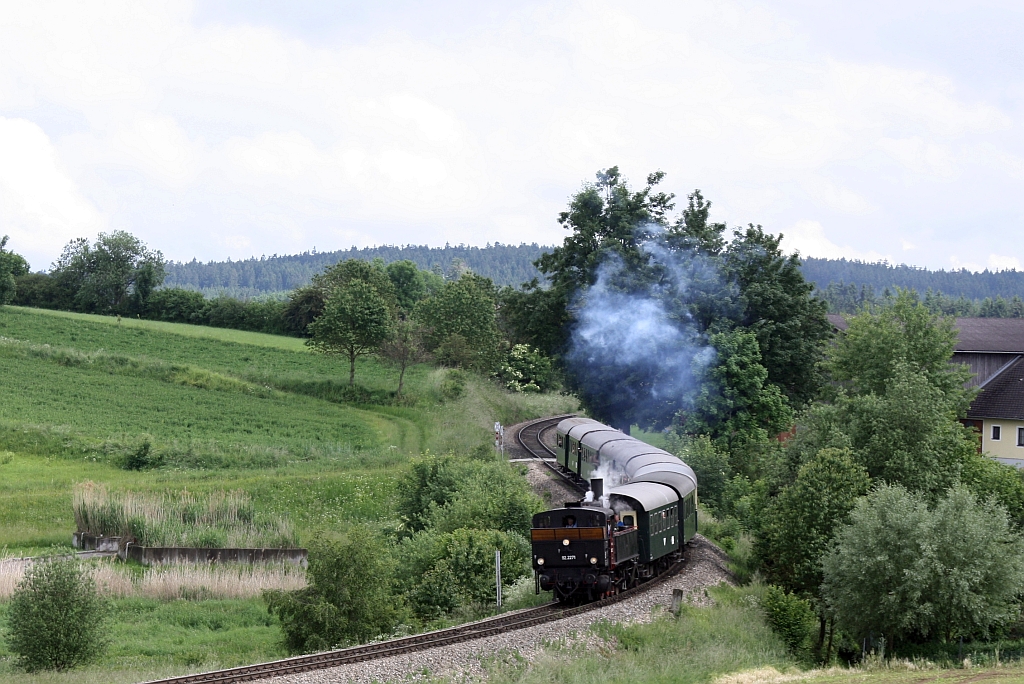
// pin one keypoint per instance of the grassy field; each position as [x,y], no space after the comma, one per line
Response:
[205,410]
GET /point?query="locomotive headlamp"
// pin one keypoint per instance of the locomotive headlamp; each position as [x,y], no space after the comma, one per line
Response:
[565,542]
[540,561]
[593,561]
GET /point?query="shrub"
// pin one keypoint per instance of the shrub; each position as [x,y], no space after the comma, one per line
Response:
[526,370]
[443,571]
[454,384]
[789,615]
[350,597]
[56,617]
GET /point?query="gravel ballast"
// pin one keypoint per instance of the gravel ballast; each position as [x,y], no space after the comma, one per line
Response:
[705,567]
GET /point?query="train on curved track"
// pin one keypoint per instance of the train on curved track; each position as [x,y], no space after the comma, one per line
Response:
[617,536]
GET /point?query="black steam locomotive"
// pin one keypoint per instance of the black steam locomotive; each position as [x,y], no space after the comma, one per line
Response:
[617,537]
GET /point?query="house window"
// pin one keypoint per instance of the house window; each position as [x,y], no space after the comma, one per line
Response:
[1020,436]
[996,431]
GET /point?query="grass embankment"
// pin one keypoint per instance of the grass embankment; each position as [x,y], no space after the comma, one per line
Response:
[205,410]
[726,643]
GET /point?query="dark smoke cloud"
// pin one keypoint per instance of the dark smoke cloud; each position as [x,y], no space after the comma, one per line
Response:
[636,351]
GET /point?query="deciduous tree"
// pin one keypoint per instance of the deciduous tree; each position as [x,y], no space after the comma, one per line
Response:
[114,275]
[356,321]
[900,570]
[404,348]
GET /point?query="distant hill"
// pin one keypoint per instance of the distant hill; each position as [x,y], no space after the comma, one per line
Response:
[513,265]
[504,264]
[879,276]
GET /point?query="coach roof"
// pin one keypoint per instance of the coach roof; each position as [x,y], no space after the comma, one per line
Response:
[650,495]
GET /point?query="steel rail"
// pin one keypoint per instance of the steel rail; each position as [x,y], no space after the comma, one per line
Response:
[498,624]
[476,630]
[529,438]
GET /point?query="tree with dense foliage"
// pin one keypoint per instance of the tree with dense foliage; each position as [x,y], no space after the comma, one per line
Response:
[356,320]
[306,304]
[735,402]
[12,266]
[901,571]
[870,352]
[116,274]
[404,348]
[411,284]
[624,244]
[350,597]
[56,618]
[779,308]
[801,521]
[462,323]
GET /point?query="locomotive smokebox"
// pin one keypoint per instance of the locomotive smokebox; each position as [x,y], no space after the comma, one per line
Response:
[597,486]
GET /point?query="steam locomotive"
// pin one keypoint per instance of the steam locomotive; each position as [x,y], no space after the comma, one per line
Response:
[618,536]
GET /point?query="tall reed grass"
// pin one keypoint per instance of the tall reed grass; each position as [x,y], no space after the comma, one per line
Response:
[170,582]
[217,520]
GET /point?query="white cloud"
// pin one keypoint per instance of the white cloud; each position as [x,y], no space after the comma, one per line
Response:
[41,206]
[210,139]
[809,239]
[1001,262]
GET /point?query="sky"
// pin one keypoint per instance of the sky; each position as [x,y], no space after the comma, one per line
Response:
[216,129]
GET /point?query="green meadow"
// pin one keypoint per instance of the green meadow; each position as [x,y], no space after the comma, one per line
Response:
[156,407]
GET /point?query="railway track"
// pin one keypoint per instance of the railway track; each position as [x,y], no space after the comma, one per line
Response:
[530,437]
[475,630]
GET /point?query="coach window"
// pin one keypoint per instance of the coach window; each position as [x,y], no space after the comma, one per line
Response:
[996,432]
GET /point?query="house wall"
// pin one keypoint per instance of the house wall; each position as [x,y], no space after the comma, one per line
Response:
[1005,449]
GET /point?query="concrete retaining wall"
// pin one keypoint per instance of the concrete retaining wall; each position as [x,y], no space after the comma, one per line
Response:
[156,555]
[89,542]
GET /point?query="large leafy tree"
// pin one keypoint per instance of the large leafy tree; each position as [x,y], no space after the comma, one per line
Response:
[116,274]
[356,320]
[625,242]
[307,303]
[736,403]
[461,320]
[903,571]
[778,307]
[873,349]
[802,520]
[12,266]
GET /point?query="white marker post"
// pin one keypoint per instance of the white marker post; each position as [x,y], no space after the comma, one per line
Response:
[497,573]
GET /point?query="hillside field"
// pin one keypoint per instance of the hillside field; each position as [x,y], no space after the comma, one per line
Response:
[204,410]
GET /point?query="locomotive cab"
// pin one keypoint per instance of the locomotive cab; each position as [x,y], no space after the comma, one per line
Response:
[571,553]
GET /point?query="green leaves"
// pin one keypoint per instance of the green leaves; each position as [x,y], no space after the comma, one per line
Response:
[802,520]
[902,570]
[355,321]
[869,355]
[56,617]
[11,266]
[115,275]
[350,597]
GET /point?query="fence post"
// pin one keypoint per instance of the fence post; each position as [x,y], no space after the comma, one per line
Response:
[497,574]
[677,601]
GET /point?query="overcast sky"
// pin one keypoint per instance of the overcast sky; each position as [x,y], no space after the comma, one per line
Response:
[230,129]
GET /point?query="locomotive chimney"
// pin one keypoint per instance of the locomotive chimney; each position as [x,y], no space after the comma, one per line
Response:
[597,486]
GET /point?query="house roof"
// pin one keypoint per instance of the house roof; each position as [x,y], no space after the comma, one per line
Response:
[991,335]
[1002,396]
